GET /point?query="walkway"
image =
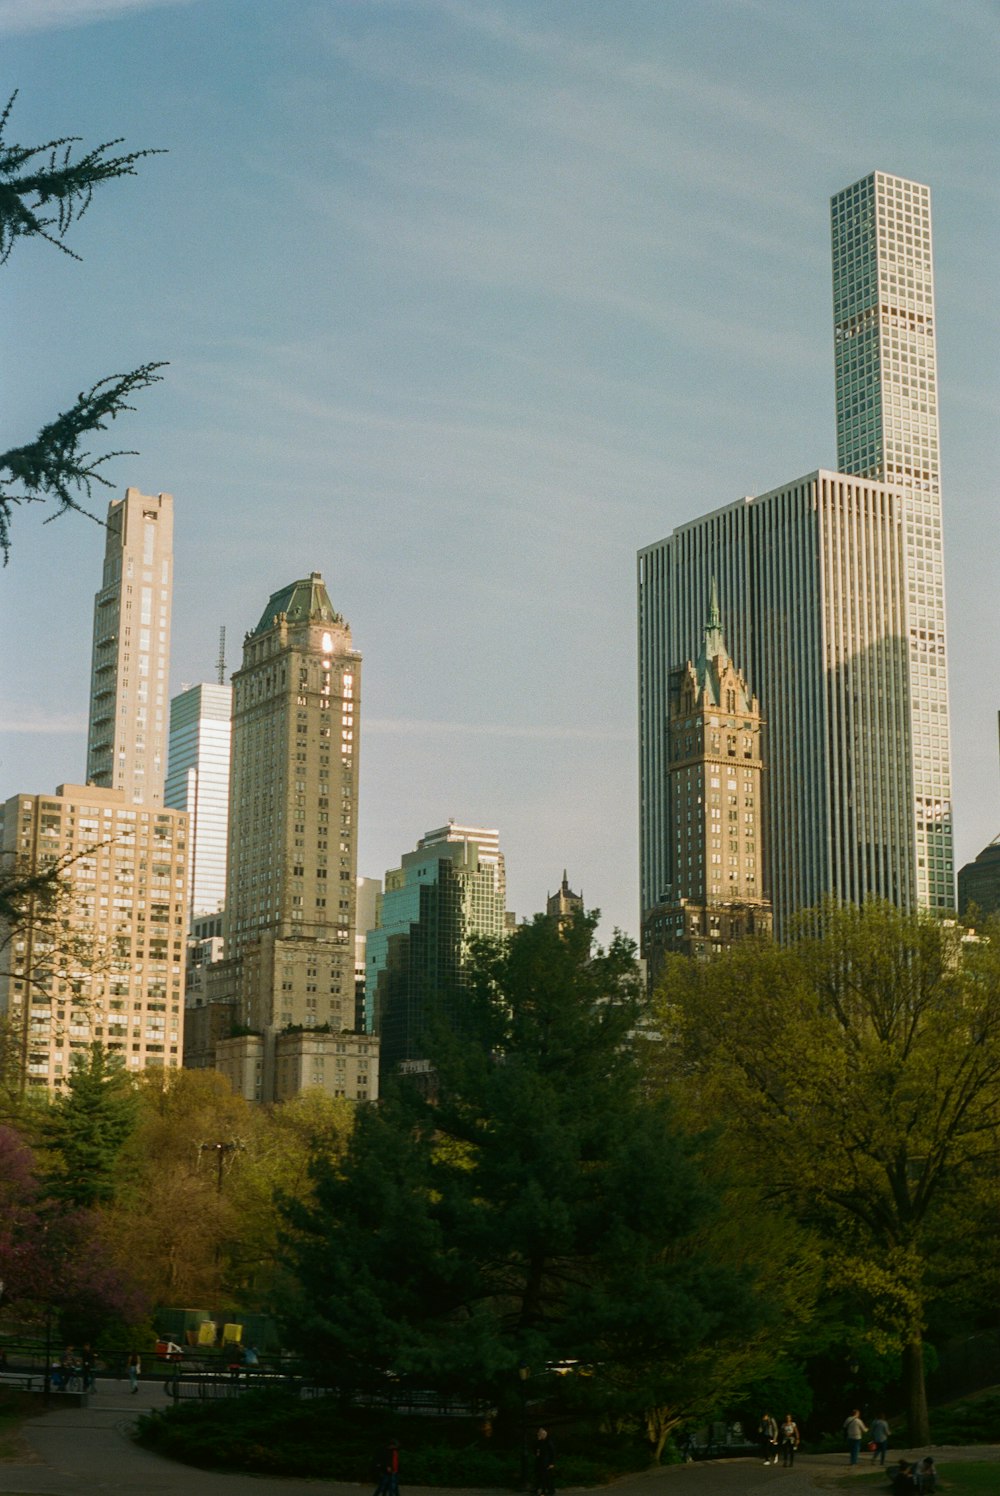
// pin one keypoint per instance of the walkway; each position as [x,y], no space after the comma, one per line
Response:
[88,1452]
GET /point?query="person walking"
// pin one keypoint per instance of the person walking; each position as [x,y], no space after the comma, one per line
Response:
[545,1464]
[388,1465]
[855,1431]
[88,1362]
[880,1438]
[767,1433]
[133,1366]
[788,1440]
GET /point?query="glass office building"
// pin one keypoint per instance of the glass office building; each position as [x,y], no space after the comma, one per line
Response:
[833,591]
[198,782]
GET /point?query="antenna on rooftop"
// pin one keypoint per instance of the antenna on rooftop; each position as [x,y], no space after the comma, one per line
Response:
[220,663]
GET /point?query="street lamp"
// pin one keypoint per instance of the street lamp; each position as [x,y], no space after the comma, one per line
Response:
[523,1373]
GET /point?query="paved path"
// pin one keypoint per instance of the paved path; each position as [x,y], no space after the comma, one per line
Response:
[89,1452]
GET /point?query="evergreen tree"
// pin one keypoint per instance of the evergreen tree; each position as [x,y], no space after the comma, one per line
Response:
[535,1207]
[87,1128]
[44,190]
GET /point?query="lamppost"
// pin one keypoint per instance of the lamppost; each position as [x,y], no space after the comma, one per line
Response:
[523,1373]
[220,1150]
[47,1380]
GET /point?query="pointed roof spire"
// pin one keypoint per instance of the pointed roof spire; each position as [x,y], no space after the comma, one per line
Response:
[714,644]
[304,601]
[714,661]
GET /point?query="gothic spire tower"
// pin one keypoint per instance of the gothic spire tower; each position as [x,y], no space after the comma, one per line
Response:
[715,894]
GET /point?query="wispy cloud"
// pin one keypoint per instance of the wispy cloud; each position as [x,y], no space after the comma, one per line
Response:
[46,723]
[408,726]
[20,16]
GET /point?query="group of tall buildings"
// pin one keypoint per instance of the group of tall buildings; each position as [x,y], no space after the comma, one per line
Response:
[209,900]
[793,730]
[815,735]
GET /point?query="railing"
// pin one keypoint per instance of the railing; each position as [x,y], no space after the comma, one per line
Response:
[229,1382]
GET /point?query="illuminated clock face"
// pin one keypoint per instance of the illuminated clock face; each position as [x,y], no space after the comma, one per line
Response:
[327,644]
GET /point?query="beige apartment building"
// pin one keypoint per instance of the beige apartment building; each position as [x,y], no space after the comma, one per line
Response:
[292,873]
[108,965]
[127,736]
[342,1064]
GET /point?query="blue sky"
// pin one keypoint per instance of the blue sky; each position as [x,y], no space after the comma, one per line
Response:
[465,302]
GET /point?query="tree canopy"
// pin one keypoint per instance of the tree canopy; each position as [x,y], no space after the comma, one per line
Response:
[857,1075]
[87,1127]
[533,1207]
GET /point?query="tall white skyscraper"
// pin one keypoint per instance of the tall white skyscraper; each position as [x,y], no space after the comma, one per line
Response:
[127,737]
[887,428]
[833,595]
[198,782]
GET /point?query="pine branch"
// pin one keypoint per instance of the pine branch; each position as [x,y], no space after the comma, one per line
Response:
[44,191]
[54,466]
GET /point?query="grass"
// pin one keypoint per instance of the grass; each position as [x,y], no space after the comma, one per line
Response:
[972,1478]
[271,1433]
[11,1414]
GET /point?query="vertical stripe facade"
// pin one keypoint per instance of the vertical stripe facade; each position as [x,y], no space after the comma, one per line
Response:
[812,592]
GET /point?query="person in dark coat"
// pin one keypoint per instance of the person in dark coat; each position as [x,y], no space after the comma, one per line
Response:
[767,1433]
[545,1464]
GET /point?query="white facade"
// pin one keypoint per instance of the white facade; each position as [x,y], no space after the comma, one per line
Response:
[487,839]
[127,736]
[833,592]
[887,428]
[198,782]
[812,583]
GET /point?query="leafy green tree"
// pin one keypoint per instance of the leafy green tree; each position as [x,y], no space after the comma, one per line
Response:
[44,190]
[87,1128]
[176,1213]
[194,1213]
[283,1141]
[535,1206]
[857,1075]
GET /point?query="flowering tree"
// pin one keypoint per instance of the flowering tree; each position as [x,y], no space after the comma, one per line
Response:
[53,1258]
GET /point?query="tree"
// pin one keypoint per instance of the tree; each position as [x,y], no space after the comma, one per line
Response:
[857,1075]
[276,1165]
[176,1209]
[44,190]
[88,1126]
[537,1207]
[54,1257]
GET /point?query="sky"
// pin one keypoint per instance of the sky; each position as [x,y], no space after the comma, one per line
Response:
[464,302]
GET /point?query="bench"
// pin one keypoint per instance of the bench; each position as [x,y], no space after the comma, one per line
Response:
[20,1381]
